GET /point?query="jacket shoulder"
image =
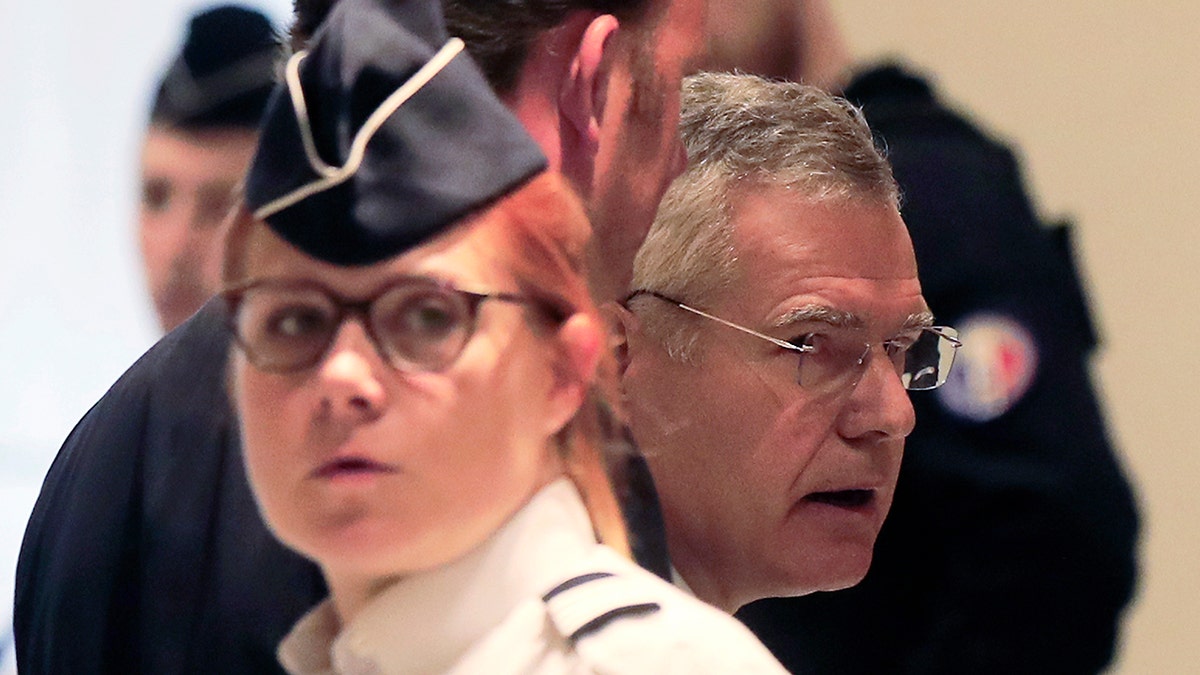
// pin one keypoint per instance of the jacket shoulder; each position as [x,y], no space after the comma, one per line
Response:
[622,619]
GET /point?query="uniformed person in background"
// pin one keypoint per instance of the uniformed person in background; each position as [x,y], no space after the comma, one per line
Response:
[201,132]
[1012,541]
[411,375]
[145,551]
[203,126]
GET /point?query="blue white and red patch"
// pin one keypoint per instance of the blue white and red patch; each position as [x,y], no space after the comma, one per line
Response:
[993,369]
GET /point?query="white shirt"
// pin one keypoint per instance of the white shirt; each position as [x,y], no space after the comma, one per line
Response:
[485,613]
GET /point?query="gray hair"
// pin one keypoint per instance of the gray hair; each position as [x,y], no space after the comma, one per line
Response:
[745,131]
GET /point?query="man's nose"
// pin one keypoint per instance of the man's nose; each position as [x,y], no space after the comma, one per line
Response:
[879,407]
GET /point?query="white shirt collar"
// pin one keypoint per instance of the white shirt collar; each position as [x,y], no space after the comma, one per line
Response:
[428,620]
[679,582]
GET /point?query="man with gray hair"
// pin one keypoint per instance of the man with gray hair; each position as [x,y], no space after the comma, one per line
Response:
[775,324]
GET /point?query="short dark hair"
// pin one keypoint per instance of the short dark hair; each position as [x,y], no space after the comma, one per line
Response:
[498,33]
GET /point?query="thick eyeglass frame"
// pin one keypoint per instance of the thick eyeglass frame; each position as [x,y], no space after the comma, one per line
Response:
[944,332]
[361,309]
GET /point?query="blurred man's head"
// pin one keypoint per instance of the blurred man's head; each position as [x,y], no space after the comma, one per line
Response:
[774,433]
[202,131]
[797,40]
[596,83]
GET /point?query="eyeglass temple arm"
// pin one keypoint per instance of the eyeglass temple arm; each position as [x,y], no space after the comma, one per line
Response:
[749,331]
[940,332]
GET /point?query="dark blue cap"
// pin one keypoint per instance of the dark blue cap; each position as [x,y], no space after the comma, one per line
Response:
[383,135]
[223,75]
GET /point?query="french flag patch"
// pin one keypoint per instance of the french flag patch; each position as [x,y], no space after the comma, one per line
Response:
[993,369]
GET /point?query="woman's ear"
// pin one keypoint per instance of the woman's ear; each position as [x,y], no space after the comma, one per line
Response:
[580,340]
[582,95]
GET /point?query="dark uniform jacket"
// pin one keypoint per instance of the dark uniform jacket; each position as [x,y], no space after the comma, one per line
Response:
[1011,545]
[145,552]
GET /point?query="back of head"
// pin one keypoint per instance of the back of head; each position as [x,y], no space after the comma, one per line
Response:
[742,131]
[498,33]
[541,231]
[223,73]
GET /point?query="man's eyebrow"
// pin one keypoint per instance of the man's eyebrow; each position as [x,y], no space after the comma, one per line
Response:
[838,318]
[919,320]
[820,313]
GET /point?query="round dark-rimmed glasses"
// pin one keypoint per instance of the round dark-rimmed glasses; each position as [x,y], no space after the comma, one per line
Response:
[921,356]
[417,324]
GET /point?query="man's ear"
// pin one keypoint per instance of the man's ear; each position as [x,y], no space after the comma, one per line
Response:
[580,338]
[621,322]
[582,96]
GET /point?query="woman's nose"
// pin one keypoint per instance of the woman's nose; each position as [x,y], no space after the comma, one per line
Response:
[350,376]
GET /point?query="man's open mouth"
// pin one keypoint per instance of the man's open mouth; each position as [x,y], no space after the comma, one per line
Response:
[848,499]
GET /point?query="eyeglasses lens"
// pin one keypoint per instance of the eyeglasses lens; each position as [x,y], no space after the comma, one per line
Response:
[415,327]
[422,328]
[927,362]
[923,361]
[284,329]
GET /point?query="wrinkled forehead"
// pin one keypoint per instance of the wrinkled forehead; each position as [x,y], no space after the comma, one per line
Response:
[843,237]
[853,257]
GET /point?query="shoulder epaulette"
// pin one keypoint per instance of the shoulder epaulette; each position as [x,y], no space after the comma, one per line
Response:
[586,604]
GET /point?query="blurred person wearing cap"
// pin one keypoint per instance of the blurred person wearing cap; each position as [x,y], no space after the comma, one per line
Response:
[202,130]
[773,333]
[145,551]
[415,344]
[1012,541]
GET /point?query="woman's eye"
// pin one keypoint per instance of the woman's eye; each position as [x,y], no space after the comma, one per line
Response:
[291,322]
[429,317]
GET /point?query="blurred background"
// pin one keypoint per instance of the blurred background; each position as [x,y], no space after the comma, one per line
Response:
[1101,99]
[76,82]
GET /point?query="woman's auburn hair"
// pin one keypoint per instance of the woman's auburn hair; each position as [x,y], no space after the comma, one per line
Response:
[542,232]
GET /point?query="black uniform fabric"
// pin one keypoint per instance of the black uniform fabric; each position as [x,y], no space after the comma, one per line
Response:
[223,74]
[145,552]
[1011,545]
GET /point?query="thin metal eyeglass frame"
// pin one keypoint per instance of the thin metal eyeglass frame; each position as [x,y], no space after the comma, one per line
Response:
[802,349]
[345,308]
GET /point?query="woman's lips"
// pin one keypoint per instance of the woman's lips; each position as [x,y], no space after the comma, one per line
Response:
[348,467]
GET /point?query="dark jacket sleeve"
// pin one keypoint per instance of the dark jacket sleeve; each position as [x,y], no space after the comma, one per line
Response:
[1011,545]
[77,569]
[145,551]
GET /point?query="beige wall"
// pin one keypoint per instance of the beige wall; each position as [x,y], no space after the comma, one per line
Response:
[1103,99]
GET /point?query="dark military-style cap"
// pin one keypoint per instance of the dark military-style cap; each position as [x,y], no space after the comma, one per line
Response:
[223,75]
[382,136]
